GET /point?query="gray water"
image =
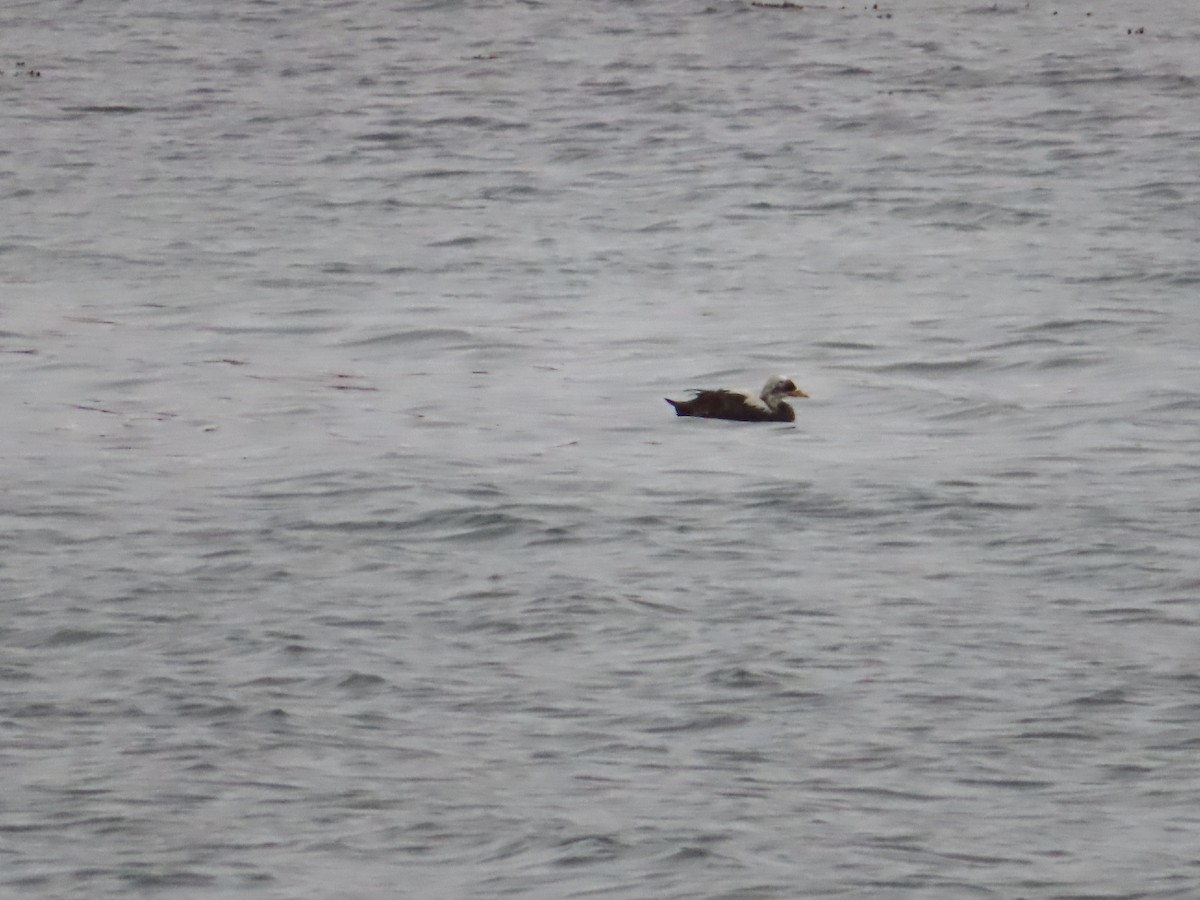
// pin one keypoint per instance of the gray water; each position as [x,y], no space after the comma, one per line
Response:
[348,548]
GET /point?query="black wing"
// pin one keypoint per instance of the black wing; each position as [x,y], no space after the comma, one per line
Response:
[732,406]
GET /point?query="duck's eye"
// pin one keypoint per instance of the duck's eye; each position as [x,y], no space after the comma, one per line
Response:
[787,386]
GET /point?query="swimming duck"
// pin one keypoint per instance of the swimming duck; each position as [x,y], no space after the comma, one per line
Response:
[742,406]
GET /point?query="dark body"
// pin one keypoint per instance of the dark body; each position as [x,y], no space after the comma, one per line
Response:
[733,406]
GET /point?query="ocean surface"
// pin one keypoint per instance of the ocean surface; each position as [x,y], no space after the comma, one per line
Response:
[348,548]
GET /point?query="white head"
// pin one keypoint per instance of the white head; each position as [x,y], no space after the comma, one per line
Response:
[778,387]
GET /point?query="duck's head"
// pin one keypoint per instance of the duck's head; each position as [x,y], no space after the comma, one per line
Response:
[778,387]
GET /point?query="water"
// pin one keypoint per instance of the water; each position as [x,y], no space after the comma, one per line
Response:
[349,549]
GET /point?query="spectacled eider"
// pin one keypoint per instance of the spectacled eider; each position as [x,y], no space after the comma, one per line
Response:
[741,406]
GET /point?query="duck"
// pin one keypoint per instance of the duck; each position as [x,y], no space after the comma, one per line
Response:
[742,406]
